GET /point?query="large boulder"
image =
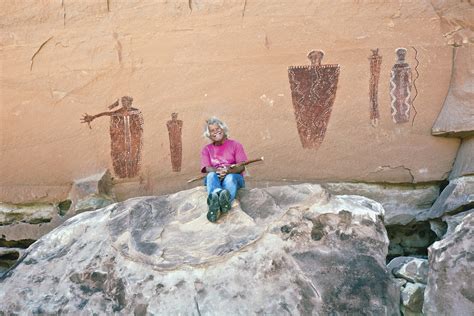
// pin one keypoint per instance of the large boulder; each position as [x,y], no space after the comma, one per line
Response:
[452,221]
[458,196]
[281,250]
[414,270]
[450,288]
[92,192]
[93,202]
[402,203]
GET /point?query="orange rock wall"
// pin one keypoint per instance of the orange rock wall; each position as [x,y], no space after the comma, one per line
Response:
[61,59]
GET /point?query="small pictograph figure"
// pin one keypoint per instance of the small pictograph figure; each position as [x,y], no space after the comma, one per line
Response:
[126,130]
[175,128]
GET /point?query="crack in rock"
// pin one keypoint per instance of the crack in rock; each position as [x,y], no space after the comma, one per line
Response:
[64,12]
[37,51]
[197,306]
[243,8]
[118,47]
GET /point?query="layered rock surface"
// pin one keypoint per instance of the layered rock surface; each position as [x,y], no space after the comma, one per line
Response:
[21,225]
[292,249]
[34,213]
[19,221]
[402,204]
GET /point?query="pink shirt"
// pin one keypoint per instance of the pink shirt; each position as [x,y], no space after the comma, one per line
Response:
[230,152]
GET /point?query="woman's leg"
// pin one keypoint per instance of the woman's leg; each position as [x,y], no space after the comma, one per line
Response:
[232,182]
[214,186]
[213,183]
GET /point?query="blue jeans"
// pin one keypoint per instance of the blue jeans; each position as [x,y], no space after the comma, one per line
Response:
[232,182]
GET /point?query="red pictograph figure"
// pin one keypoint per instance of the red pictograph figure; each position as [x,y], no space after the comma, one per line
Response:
[126,130]
[175,128]
[313,90]
[375,62]
[400,88]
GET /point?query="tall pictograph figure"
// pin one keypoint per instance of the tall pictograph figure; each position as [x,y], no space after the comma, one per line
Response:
[175,128]
[400,88]
[375,62]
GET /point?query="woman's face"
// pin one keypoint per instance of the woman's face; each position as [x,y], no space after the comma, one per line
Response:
[216,132]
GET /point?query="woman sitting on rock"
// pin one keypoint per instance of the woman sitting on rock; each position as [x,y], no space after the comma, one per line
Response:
[218,159]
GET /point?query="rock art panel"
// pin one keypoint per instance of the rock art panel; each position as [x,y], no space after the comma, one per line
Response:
[400,88]
[126,130]
[375,62]
[175,128]
[313,91]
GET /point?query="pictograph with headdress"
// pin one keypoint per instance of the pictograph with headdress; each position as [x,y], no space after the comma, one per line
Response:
[401,83]
[313,91]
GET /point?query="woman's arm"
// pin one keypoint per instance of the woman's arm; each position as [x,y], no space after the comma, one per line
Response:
[236,169]
[210,169]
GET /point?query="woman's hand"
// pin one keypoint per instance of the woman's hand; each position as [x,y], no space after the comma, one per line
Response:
[222,172]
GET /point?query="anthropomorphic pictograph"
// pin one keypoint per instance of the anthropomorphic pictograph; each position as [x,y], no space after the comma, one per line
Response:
[126,130]
[400,88]
[313,90]
[175,128]
[375,62]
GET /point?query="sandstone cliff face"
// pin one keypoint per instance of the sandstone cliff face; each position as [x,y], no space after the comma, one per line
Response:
[457,116]
[61,59]
[291,249]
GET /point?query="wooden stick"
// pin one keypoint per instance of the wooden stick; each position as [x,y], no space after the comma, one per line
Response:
[244,163]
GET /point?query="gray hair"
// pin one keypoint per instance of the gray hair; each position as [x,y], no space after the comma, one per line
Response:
[215,121]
